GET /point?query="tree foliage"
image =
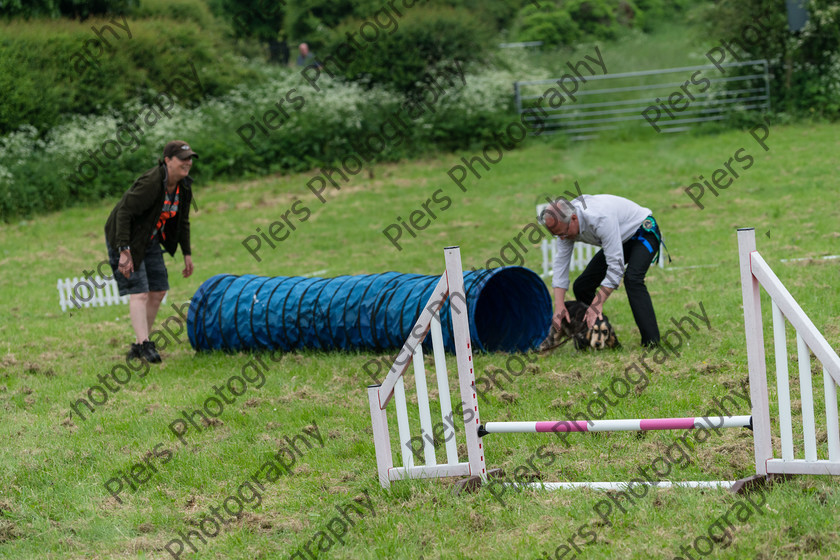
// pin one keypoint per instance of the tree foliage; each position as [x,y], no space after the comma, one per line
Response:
[313,20]
[565,22]
[80,9]
[260,19]
[423,39]
[805,64]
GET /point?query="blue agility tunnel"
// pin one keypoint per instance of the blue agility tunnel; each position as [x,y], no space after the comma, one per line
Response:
[509,310]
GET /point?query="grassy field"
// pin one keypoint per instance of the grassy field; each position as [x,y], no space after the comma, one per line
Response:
[53,471]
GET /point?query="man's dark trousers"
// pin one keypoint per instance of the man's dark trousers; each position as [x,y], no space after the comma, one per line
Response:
[638,258]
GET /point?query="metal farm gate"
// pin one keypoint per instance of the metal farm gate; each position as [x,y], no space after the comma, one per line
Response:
[667,100]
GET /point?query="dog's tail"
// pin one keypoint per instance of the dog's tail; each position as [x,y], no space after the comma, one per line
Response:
[553,341]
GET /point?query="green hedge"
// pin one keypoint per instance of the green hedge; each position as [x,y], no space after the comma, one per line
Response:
[182,11]
[47,66]
[312,20]
[552,25]
[409,40]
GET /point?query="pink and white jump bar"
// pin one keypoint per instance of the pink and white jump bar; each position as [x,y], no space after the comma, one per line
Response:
[634,425]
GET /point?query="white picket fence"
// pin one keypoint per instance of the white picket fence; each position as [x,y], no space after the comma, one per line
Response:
[75,293]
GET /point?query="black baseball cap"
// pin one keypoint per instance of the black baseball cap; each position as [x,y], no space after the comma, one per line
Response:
[179,149]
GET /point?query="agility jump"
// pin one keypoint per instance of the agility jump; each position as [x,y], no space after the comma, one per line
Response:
[755,274]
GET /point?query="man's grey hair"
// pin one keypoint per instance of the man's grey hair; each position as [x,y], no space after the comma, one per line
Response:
[560,210]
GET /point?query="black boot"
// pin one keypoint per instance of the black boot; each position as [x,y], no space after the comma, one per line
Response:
[149,352]
[136,352]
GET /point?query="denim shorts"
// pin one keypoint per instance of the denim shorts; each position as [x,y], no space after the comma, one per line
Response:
[152,275]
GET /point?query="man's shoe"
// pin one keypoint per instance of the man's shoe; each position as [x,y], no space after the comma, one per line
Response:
[136,352]
[149,352]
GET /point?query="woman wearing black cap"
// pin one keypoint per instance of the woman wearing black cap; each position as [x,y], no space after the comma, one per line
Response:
[155,211]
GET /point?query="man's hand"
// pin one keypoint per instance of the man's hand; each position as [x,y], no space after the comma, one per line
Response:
[593,313]
[188,266]
[560,311]
[595,309]
[126,266]
[560,314]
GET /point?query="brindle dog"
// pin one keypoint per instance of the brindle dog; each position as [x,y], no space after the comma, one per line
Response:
[599,337]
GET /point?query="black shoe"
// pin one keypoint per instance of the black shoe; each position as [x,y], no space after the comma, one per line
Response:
[149,352]
[136,352]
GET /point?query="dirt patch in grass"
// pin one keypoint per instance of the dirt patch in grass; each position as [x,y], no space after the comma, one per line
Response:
[8,531]
[34,368]
[8,361]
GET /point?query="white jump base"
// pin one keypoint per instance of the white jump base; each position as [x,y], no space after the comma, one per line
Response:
[823,459]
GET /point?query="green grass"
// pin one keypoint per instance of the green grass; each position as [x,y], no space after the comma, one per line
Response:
[53,503]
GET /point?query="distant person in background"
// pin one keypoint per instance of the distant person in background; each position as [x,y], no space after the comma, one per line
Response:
[305,58]
[155,211]
[278,51]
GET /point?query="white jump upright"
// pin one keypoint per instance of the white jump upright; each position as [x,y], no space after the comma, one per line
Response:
[756,274]
[451,287]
